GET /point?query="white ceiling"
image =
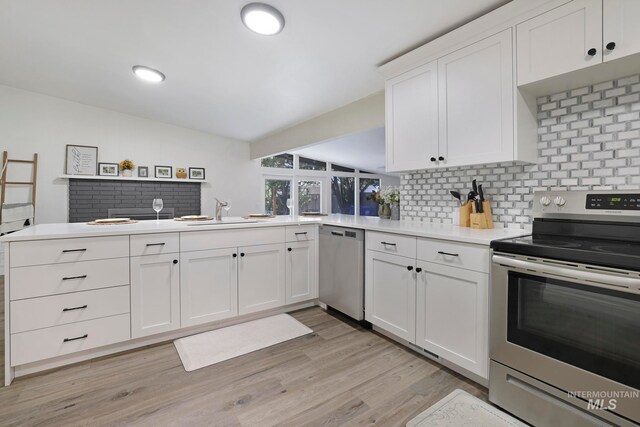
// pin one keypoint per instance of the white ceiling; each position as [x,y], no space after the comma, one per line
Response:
[363,150]
[221,78]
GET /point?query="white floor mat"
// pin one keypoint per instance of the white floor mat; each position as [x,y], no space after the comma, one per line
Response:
[460,409]
[198,351]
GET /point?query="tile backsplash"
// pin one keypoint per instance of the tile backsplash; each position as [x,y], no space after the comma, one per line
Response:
[588,139]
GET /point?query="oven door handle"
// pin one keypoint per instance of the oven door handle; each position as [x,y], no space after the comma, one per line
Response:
[596,279]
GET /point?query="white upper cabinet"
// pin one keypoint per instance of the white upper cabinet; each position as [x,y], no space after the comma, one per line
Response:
[621,32]
[561,40]
[476,103]
[412,119]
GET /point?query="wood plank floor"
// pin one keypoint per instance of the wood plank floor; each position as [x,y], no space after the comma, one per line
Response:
[339,375]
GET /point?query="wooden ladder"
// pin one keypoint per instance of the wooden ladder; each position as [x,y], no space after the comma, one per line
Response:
[5,165]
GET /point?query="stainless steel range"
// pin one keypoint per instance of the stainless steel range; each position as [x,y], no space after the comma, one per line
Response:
[565,312]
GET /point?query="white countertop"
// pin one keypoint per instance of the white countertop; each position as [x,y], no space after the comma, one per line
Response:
[412,228]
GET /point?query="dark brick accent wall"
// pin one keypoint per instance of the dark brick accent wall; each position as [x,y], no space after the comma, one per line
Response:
[90,199]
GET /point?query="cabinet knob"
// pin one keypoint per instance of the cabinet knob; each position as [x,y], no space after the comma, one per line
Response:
[409,268]
[441,158]
[234,255]
[592,51]
[418,269]
[611,45]
[241,254]
[433,159]
[175,261]
[289,249]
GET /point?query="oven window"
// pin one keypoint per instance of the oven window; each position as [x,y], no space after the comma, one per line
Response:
[592,328]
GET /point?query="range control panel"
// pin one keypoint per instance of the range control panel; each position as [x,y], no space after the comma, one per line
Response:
[623,202]
[621,205]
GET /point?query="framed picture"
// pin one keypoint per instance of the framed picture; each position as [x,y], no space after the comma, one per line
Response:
[196,173]
[164,172]
[143,171]
[81,160]
[108,169]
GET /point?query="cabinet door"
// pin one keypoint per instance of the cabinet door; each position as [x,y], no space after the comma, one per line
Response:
[302,271]
[155,294]
[208,286]
[412,119]
[390,294]
[476,102]
[261,277]
[620,27]
[559,40]
[452,315]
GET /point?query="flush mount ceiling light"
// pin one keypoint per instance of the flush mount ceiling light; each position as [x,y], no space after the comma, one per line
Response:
[262,19]
[148,74]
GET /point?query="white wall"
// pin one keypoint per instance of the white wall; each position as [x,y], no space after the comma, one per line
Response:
[363,114]
[31,122]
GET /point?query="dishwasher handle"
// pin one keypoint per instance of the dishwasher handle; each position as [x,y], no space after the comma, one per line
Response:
[335,233]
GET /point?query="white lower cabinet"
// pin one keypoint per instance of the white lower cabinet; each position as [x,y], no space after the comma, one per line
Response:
[390,293]
[208,286]
[261,277]
[451,315]
[155,294]
[302,271]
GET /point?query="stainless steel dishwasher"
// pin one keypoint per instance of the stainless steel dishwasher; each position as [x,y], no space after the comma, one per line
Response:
[342,270]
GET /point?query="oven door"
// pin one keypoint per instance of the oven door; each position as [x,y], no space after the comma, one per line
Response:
[572,326]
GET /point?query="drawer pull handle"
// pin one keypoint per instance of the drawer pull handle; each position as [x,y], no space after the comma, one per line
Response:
[388,244]
[302,232]
[155,244]
[409,267]
[447,253]
[84,276]
[73,250]
[335,233]
[76,338]
[418,270]
[82,307]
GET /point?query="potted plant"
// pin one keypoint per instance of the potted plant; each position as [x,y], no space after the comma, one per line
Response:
[388,199]
[127,167]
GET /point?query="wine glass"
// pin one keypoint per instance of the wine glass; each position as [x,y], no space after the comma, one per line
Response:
[157,206]
[289,206]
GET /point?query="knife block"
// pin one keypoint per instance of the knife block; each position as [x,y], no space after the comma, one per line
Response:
[486,207]
[465,213]
[478,220]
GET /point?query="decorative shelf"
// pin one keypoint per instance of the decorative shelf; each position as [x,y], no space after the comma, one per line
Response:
[133,178]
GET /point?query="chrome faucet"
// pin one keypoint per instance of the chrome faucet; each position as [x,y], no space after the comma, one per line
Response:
[219,206]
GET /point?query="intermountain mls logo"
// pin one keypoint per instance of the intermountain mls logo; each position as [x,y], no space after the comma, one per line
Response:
[603,400]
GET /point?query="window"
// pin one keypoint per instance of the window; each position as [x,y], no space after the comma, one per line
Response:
[283,161]
[309,196]
[338,168]
[343,195]
[312,165]
[368,186]
[277,196]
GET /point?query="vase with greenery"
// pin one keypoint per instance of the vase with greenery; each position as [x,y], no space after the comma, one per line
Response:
[388,199]
[127,167]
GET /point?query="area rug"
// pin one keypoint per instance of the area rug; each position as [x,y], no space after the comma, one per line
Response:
[198,351]
[460,409]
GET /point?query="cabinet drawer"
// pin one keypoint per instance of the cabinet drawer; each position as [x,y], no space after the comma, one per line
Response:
[38,252]
[43,280]
[462,255]
[44,312]
[27,347]
[301,233]
[391,243]
[219,239]
[154,244]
